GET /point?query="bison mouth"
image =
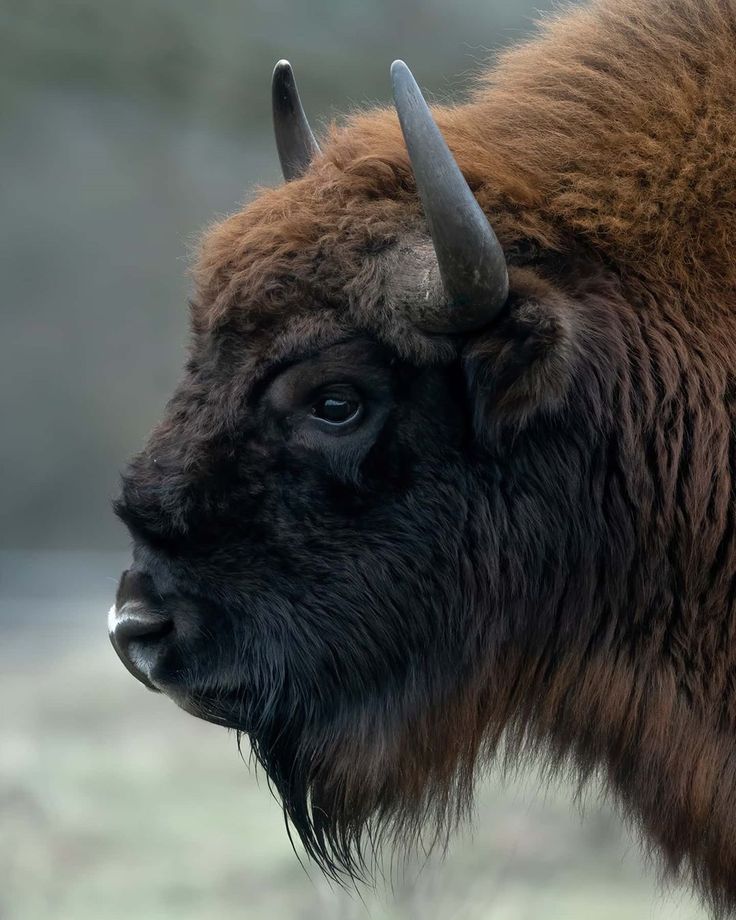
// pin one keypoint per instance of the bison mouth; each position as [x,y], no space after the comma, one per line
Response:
[143,630]
[153,634]
[162,638]
[138,636]
[146,641]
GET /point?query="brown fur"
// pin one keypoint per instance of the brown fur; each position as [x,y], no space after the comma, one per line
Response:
[604,152]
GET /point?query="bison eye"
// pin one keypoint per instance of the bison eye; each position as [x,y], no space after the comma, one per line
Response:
[337,409]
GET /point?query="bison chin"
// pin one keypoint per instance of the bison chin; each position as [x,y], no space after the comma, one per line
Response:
[386,771]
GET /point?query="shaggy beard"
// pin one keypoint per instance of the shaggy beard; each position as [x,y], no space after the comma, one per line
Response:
[347,802]
[390,775]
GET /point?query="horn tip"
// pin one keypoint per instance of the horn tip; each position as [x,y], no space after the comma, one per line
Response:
[282,68]
[399,69]
[402,80]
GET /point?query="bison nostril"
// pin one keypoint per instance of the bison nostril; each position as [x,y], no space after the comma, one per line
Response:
[139,637]
[138,623]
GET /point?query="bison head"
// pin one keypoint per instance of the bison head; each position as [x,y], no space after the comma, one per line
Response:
[414,489]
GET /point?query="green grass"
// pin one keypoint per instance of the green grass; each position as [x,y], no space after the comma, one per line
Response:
[114,804]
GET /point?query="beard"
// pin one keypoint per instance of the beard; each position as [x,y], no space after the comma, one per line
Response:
[359,777]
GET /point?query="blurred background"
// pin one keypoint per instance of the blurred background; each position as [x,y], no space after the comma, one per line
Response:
[126,128]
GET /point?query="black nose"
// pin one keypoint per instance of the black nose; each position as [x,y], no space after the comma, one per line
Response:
[140,630]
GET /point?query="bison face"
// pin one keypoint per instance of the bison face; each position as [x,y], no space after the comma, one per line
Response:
[331,558]
[296,556]
[302,558]
[369,498]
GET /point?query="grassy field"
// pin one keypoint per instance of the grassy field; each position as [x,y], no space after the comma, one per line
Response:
[114,804]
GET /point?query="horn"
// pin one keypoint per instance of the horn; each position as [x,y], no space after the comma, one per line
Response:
[294,139]
[470,259]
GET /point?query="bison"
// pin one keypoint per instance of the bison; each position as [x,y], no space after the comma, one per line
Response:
[452,466]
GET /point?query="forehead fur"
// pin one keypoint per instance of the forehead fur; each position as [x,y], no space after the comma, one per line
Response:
[612,130]
[313,258]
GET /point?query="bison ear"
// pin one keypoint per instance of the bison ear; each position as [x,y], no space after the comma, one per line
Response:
[522,367]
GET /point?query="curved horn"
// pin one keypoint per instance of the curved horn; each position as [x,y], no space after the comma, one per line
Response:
[294,139]
[470,259]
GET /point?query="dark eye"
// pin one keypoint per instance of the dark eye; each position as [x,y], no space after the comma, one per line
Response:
[337,409]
